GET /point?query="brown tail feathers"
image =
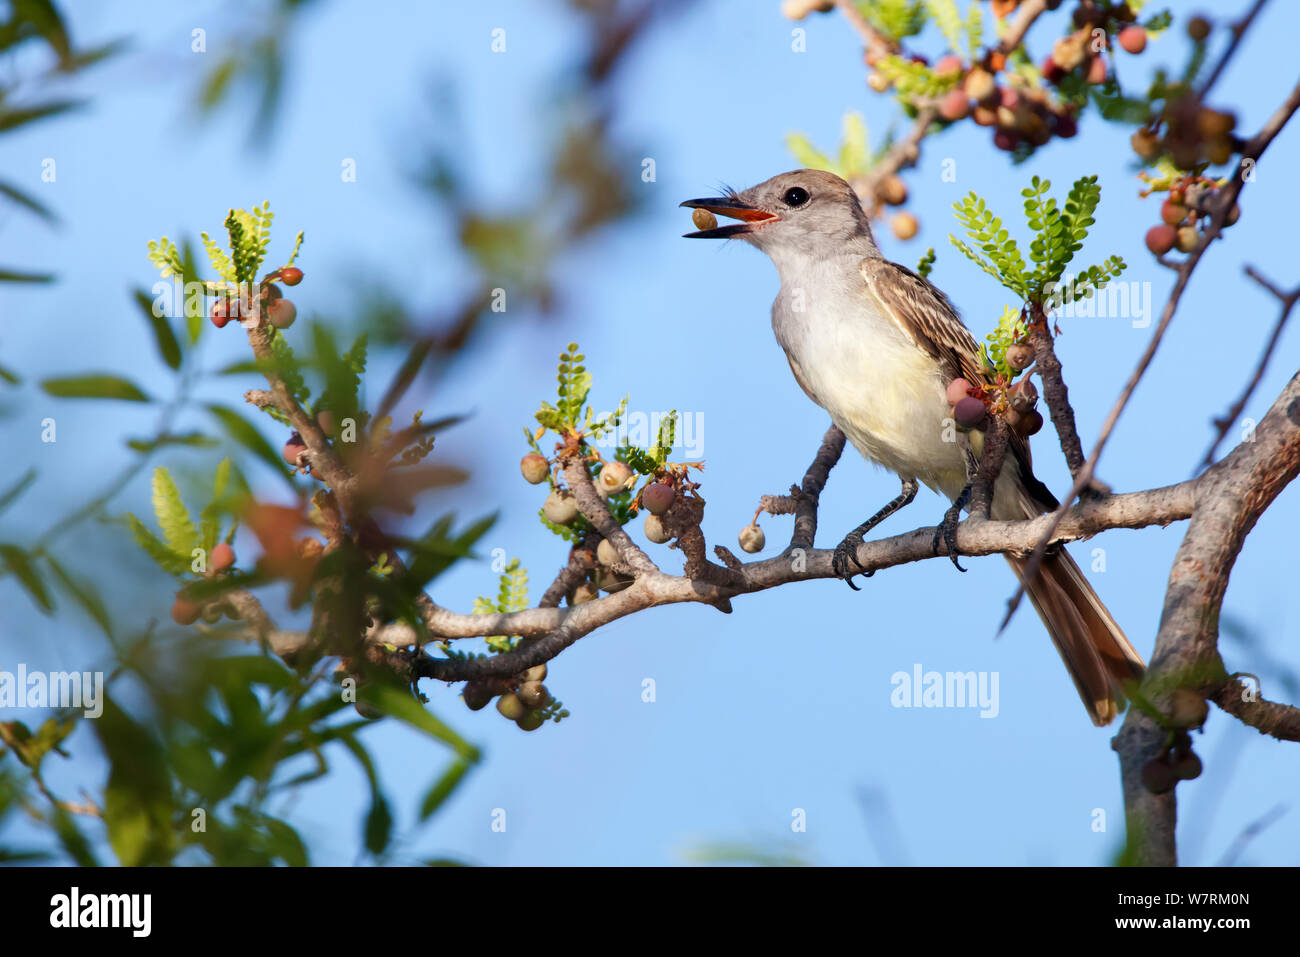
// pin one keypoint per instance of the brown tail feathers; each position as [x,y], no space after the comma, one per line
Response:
[1091,643]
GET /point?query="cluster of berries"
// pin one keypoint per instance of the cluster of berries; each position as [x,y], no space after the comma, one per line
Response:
[972,404]
[1191,200]
[522,699]
[280,311]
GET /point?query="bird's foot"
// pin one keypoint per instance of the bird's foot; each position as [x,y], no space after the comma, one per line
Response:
[846,555]
[947,529]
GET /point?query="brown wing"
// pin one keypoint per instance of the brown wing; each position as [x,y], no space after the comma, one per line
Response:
[923,313]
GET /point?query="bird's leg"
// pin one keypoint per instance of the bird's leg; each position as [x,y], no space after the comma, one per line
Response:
[847,550]
[947,529]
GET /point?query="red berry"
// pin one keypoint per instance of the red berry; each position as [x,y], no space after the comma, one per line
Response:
[1133,39]
[291,275]
[1173,213]
[218,314]
[1005,139]
[969,412]
[325,419]
[958,389]
[185,612]
[294,448]
[1161,239]
[1052,71]
[1066,126]
[222,557]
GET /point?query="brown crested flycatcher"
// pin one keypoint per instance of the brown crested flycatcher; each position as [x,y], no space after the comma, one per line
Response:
[876,345]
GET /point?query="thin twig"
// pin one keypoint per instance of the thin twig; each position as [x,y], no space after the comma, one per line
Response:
[1224,422]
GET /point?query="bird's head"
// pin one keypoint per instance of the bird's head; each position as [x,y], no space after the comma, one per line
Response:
[806,212]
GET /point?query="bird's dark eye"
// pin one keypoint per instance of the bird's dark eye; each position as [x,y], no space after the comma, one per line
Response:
[795,196]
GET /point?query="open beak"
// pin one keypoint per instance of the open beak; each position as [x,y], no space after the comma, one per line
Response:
[751,217]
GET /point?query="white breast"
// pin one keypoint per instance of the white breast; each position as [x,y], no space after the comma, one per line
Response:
[884,393]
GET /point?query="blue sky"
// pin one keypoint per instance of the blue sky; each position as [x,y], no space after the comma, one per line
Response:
[784,704]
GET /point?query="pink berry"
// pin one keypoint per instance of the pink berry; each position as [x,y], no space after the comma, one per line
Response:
[1133,39]
[223,557]
[958,389]
[283,312]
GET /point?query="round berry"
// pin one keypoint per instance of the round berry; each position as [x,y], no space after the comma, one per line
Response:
[1133,39]
[293,449]
[958,389]
[615,477]
[703,219]
[1020,355]
[536,673]
[1161,239]
[904,225]
[1030,422]
[1006,140]
[1187,239]
[1198,28]
[878,81]
[1158,775]
[535,468]
[222,557]
[969,413]
[185,612]
[1067,126]
[948,64]
[510,706]
[561,507]
[218,314]
[476,695]
[955,105]
[1096,74]
[657,498]
[752,539]
[530,721]
[893,190]
[980,85]
[283,313]
[1172,213]
[1187,767]
[984,115]
[655,531]
[1145,144]
[533,694]
[291,275]
[606,553]
[326,420]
